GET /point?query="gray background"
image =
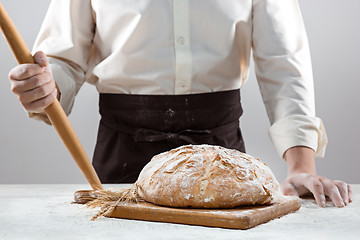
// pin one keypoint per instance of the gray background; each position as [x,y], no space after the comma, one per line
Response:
[31,152]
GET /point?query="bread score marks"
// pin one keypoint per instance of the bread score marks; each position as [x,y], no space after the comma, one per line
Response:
[205,176]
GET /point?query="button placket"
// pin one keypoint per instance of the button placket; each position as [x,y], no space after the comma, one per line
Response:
[183,58]
[181,40]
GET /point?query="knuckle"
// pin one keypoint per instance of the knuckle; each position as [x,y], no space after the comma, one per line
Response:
[46,101]
[52,84]
[41,91]
[334,188]
[50,98]
[36,106]
[14,88]
[342,184]
[14,72]
[42,77]
[54,94]
[309,177]
[321,178]
[287,191]
[26,70]
[11,75]
[316,184]
[38,82]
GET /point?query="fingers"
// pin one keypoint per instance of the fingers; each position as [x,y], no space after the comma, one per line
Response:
[344,192]
[37,93]
[19,87]
[39,105]
[41,59]
[350,193]
[332,191]
[317,189]
[339,192]
[25,71]
[33,84]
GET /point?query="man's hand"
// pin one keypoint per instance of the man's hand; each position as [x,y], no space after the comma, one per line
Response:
[303,180]
[34,84]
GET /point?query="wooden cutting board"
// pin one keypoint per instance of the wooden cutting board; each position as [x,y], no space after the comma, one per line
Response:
[235,218]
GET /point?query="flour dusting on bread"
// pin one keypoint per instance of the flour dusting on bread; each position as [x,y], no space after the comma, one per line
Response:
[205,176]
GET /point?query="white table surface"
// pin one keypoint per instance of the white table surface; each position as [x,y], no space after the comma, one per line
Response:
[46,212]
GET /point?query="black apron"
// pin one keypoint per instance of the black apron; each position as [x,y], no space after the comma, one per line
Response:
[134,128]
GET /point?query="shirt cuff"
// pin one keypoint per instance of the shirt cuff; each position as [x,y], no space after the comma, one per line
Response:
[299,130]
[65,84]
[40,116]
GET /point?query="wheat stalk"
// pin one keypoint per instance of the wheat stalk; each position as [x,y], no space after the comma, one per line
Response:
[108,200]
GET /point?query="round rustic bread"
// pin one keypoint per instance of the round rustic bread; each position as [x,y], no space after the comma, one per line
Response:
[204,176]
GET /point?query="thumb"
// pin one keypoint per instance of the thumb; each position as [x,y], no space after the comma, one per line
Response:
[41,59]
[288,189]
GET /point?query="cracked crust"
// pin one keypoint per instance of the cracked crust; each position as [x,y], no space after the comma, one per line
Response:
[204,176]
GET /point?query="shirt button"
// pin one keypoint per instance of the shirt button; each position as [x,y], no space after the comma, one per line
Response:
[181,40]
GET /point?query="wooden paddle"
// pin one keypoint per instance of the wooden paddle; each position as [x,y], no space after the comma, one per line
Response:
[54,112]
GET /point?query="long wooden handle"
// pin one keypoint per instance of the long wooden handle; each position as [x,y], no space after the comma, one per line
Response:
[55,112]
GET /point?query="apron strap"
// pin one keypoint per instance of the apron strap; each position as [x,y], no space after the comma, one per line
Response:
[187,135]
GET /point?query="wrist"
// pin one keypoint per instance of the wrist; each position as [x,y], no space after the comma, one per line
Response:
[300,159]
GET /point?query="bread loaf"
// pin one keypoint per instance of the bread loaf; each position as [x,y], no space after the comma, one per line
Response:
[204,176]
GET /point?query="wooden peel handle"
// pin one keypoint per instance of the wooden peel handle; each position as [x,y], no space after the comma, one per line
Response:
[63,126]
[55,112]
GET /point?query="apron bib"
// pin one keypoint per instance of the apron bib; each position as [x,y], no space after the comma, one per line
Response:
[134,128]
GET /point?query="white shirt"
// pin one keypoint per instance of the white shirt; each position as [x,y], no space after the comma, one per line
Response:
[188,46]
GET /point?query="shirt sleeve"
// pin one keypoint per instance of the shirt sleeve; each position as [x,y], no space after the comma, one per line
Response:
[284,73]
[66,38]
